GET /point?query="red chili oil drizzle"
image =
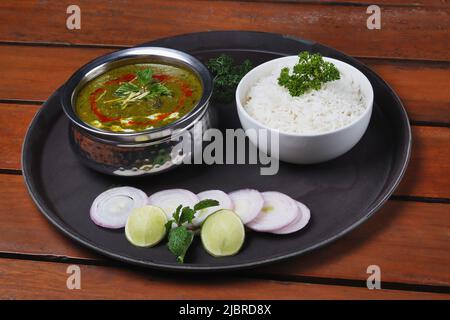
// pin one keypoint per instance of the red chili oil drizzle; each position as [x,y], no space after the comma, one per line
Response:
[161,77]
[185,89]
[93,102]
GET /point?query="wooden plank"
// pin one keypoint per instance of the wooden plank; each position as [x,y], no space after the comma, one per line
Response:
[428,171]
[43,280]
[28,231]
[34,73]
[409,3]
[44,69]
[425,176]
[423,88]
[408,240]
[406,32]
[14,121]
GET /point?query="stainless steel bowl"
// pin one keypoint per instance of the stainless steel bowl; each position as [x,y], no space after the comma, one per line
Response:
[138,153]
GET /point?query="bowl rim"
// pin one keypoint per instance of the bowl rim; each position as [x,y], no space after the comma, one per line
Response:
[243,112]
[143,52]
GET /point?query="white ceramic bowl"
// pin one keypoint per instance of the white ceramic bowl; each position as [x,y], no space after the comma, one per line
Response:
[307,148]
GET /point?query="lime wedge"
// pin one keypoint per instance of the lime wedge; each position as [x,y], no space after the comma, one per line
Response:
[223,233]
[146,226]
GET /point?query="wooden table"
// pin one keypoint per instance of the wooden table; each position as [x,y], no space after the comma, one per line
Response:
[408,238]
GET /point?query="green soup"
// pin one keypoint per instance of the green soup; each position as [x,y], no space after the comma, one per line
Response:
[138,97]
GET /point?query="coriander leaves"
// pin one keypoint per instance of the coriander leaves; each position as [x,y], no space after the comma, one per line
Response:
[143,87]
[180,238]
[309,73]
[144,76]
[226,76]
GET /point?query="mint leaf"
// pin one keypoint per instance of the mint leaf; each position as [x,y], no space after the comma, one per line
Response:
[179,241]
[176,215]
[169,226]
[206,204]
[187,214]
[180,238]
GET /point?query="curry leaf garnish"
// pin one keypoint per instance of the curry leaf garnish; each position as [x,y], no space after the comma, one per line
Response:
[145,88]
[309,73]
[180,238]
[226,76]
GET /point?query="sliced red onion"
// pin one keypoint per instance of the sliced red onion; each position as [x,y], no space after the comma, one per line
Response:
[170,199]
[302,219]
[224,203]
[278,211]
[247,204]
[111,208]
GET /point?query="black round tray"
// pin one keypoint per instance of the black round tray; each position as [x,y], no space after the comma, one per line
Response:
[341,193]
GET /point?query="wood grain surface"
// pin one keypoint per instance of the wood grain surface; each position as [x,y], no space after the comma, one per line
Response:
[48,280]
[406,3]
[408,238]
[430,156]
[415,233]
[412,32]
[34,72]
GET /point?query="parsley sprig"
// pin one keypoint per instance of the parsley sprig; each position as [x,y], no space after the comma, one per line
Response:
[226,76]
[180,238]
[310,73]
[143,87]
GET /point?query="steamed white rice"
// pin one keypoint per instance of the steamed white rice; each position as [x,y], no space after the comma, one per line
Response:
[335,105]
